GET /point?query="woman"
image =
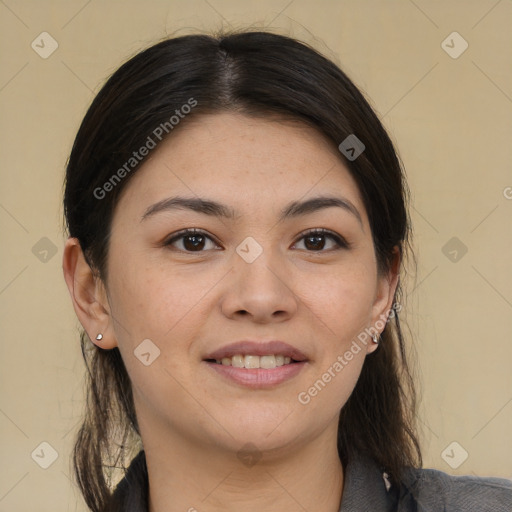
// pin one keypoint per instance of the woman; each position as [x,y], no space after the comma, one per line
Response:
[238,226]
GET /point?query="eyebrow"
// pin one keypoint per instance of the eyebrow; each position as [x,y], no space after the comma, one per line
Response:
[216,209]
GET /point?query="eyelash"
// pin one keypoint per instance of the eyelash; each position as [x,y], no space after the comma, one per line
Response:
[340,242]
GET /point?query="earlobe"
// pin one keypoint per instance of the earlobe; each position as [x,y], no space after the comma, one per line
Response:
[385,294]
[88,296]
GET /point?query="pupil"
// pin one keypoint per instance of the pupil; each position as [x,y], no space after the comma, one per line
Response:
[316,245]
[198,242]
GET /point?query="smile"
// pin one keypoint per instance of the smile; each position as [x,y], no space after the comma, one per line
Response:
[252,361]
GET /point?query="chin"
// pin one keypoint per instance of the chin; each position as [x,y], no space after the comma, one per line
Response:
[266,436]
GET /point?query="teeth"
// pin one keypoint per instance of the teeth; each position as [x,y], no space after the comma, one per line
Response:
[251,361]
[268,362]
[237,361]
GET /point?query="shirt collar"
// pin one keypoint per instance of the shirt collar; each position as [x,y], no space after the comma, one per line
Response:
[366,487]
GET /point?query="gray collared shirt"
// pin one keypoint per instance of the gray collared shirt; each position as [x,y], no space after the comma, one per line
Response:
[367,489]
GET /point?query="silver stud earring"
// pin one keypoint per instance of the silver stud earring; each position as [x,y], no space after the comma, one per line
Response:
[375,339]
[99,337]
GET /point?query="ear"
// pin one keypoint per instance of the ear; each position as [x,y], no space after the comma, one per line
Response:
[88,295]
[384,296]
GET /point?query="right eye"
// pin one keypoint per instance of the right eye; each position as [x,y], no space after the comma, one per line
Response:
[191,240]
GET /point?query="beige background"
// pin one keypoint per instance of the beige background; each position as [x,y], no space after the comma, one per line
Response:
[451,119]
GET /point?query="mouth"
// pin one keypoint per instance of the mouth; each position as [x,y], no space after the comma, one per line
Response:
[252,354]
[267,362]
[257,365]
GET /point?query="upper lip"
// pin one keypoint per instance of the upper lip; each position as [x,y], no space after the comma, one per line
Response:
[255,348]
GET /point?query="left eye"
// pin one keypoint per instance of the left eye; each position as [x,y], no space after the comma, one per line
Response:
[315,240]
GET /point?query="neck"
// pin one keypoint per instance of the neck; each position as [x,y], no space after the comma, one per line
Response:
[185,476]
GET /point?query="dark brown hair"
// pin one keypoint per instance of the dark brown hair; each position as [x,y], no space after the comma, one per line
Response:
[257,74]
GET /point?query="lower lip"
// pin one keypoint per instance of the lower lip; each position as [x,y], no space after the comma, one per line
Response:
[258,378]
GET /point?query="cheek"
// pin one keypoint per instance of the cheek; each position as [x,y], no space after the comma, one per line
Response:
[150,304]
[163,304]
[341,302]
[326,394]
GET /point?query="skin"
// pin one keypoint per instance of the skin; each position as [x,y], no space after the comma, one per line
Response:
[194,422]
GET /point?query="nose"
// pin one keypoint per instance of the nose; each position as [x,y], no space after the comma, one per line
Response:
[262,291]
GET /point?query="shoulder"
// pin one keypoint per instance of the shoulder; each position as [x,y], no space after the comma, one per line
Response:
[433,490]
[368,487]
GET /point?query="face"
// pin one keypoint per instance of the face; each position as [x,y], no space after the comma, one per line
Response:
[258,279]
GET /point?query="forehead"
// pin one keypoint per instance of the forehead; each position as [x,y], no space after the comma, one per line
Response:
[242,161]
